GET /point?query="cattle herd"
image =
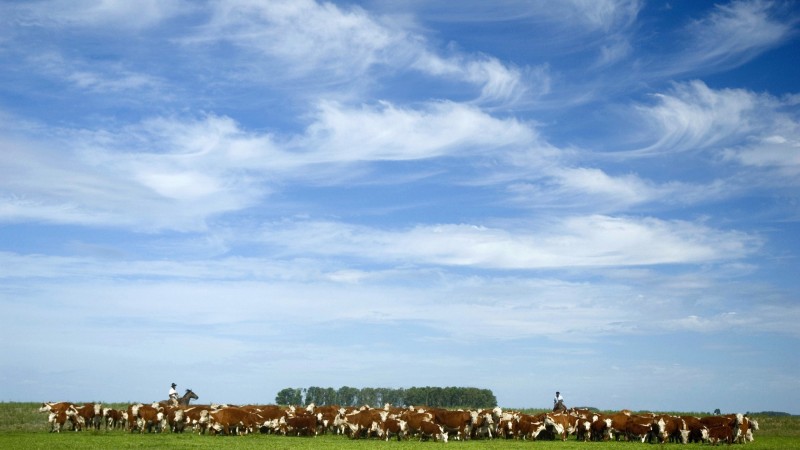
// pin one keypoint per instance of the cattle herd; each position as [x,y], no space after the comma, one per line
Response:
[423,423]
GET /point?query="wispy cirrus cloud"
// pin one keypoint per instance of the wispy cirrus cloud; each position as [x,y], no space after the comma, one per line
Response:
[583,241]
[734,33]
[353,48]
[118,14]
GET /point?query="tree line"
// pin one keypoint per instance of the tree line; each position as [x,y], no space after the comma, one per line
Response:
[443,397]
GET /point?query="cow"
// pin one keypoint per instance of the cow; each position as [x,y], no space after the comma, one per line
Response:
[483,425]
[430,430]
[414,420]
[733,421]
[305,424]
[364,422]
[640,427]
[394,427]
[724,433]
[197,417]
[176,419]
[58,417]
[113,418]
[527,427]
[145,418]
[92,414]
[58,413]
[558,423]
[459,422]
[697,431]
[601,429]
[619,423]
[230,420]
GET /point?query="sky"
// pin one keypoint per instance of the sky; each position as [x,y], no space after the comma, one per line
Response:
[599,197]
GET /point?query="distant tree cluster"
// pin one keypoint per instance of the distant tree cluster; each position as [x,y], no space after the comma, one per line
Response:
[444,397]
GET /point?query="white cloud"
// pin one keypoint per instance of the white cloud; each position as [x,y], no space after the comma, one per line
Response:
[95,77]
[387,132]
[693,117]
[777,154]
[583,241]
[595,191]
[116,14]
[178,173]
[732,34]
[352,47]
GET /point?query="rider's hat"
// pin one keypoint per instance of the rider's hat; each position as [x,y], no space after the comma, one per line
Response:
[173,384]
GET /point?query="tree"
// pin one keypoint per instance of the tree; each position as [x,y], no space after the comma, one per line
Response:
[289,396]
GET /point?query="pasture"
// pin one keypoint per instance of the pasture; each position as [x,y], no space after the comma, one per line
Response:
[23,427]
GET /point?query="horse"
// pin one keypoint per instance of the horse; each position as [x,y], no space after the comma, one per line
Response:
[560,406]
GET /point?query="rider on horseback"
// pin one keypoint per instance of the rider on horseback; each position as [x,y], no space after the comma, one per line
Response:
[173,394]
[558,402]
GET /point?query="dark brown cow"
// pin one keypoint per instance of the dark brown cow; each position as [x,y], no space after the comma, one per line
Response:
[731,420]
[619,423]
[305,424]
[721,433]
[601,429]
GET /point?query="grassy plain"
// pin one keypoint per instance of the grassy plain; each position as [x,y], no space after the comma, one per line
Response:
[23,427]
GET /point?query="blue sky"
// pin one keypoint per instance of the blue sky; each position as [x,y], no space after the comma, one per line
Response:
[597,197]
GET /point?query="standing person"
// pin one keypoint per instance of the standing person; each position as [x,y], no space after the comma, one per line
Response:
[173,394]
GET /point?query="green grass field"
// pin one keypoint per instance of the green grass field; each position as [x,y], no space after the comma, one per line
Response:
[23,427]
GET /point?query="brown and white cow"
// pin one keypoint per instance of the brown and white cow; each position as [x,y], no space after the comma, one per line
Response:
[459,422]
[430,430]
[414,420]
[145,418]
[528,427]
[394,427]
[231,420]
[697,431]
[558,423]
[365,422]
[92,414]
